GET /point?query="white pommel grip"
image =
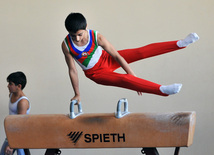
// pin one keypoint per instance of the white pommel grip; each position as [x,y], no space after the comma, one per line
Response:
[119,113]
[72,113]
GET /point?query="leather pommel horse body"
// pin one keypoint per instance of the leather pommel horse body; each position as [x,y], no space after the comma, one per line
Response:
[110,130]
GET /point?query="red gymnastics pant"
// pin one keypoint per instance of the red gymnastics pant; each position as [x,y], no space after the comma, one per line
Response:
[103,72]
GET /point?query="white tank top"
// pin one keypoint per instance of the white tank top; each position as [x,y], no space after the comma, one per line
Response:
[13,107]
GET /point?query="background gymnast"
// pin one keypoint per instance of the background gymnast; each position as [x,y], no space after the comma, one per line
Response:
[18,104]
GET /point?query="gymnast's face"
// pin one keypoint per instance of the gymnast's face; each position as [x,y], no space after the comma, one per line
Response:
[12,87]
[79,36]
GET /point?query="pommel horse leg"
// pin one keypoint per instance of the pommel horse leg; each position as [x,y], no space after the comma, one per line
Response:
[150,151]
[177,149]
[52,152]
[27,151]
[154,151]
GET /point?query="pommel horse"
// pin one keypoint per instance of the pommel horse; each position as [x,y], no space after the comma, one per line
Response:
[121,129]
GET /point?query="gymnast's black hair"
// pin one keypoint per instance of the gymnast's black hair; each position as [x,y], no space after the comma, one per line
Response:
[18,78]
[75,22]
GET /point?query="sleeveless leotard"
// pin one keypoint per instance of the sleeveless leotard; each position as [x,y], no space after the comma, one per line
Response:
[86,56]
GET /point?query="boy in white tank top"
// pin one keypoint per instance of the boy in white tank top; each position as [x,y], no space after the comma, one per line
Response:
[18,104]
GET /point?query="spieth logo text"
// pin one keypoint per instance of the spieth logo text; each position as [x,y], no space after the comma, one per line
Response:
[100,138]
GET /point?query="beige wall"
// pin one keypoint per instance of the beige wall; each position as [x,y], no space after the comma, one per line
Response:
[32,31]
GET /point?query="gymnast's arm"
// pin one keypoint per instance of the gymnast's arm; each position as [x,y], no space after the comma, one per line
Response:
[72,72]
[108,47]
[23,106]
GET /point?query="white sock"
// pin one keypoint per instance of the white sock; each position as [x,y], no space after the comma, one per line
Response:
[171,89]
[191,38]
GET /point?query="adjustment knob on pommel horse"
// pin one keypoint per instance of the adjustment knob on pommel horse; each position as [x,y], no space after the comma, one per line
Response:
[121,129]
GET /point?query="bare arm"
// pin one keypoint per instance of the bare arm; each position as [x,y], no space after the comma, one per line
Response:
[23,106]
[8,150]
[72,72]
[108,47]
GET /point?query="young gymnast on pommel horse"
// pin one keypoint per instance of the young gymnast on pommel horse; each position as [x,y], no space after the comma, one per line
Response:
[84,46]
[99,59]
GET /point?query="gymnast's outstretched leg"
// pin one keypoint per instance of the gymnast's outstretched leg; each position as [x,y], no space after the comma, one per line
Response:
[130,82]
[154,49]
[106,76]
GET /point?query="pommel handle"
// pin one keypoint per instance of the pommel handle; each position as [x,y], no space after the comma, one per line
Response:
[119,113]
[72,113]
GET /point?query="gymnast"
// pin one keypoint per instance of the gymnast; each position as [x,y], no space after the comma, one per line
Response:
[18,104]
[99,59]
